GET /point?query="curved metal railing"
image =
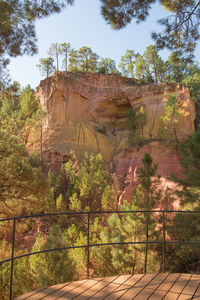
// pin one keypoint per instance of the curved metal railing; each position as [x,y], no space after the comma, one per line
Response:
[163,242]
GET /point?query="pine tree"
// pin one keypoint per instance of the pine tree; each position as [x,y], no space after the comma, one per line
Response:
[65,51]
[154,62]
[142,71]
[46,66]
[176,65]
[53,267]
[84,60]
[107,66]
[145,175]
[127,63]
[74,61]
[23,186]
[172,115]
[178,26]
[89,187]
[133,227]
[55,50]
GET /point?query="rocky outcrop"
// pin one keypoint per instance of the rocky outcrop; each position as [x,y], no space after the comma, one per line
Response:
[128,161]
[87,112]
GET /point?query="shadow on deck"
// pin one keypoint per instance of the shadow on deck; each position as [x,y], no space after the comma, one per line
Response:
[125,287]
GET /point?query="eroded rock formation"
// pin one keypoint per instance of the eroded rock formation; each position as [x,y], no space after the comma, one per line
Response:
[87,112]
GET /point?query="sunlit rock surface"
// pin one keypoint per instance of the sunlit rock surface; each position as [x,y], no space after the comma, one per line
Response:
[86,112]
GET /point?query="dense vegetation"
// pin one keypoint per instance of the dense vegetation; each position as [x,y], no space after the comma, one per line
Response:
[87,185]
[147,67]
[18,17]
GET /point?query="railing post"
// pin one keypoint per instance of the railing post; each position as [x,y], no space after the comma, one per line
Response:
[12,260]
[163,245]
[88,246]
[147,242]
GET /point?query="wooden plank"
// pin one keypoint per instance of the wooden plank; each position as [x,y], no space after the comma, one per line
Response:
[134,279]
[190,288]
[162,290]
[118,292]
[138,287]
[124,287]
[95,289]
[197,293]
[105,291]
[122,279]
[78,290]
[109,279]
[176,289]
[25,296]
[151,287]
[56,291]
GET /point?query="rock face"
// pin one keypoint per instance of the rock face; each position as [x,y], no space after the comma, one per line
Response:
[87,112]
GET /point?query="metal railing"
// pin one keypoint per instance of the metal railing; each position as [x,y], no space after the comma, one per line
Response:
[162,242]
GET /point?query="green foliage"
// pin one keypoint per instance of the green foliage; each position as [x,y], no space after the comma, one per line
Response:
[22,279]
[142,71]
[154,62]
[132,228]
[193,84]
[57,187]
[145,175]
[148,195]
[76,237]
[176,66]
[55,266]
[84,60]
[46,66]
[65,51]
[146,68]
[190,162]
[170,118]
[136,122]
[88,186]
[54,51]
[125,259]
[120,259]
[23,185]
[127,63]
[131,118]
[184,227]
[179,26]
[107,66]
[136,119]
[17,28]
[29,104]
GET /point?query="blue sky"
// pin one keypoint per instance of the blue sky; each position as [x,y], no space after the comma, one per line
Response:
[82,25]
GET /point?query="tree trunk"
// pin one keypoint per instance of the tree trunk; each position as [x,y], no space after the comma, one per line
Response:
[66,63]
[57,61]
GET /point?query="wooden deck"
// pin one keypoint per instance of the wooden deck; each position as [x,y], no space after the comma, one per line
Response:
[125,287]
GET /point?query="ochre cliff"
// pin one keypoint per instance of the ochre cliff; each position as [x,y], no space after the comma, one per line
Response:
[87,112]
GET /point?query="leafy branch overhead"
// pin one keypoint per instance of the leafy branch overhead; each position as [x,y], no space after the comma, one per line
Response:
[181,27]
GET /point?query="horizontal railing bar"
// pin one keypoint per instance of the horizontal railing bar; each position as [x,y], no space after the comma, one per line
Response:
[102,244]
[88,213]
[98,212]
